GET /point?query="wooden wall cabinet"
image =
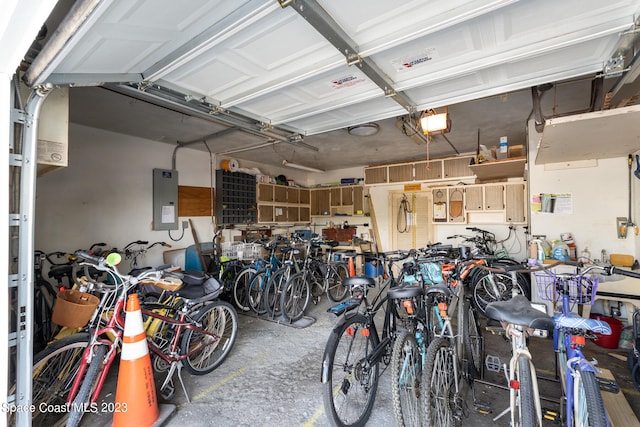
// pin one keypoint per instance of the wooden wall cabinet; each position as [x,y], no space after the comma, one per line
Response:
[496,203]
[348,199]
[282,204]
[431,170]
[516,207]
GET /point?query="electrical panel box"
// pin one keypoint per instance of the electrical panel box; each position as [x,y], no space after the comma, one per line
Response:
[165,199]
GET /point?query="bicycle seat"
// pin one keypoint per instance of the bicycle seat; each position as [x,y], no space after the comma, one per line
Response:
[404,292]
[331,243]
[206,291]
[440,288]
[350,282]
[573,320]
[518,311]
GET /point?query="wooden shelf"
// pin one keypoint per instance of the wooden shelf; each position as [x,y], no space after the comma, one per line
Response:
[496,169]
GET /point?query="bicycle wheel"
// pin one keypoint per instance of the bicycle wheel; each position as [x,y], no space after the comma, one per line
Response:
[208,350]
[273,291]
[336,291]
[241,288]
[439,385]
[44,329]
[256,293]
[489,287]
[54,370]
[406,379]
[295,297]
[473,343]
[88,384]
[525,404]
[349,384]
[588,408]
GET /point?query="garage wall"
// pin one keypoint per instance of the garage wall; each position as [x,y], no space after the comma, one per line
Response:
[105,194]
[599,194]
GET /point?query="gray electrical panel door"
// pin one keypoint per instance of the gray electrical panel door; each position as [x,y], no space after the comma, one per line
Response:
[165,199]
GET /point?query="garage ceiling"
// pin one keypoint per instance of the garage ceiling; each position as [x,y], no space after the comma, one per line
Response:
[291,76]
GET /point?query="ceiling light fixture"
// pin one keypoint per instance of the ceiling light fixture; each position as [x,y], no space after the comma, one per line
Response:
[433,123]
[365,129]
[301,167]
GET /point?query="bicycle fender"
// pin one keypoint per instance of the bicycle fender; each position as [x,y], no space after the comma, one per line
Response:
[586,366]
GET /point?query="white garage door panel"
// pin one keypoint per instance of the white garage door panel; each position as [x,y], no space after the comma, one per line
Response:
[506,36]
[384,24]
[153,28]
[278,48]
[370,111]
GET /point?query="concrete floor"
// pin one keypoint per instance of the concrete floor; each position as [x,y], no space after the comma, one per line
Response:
[272,378]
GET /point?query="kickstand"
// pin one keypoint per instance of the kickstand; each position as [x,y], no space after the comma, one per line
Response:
[168,382]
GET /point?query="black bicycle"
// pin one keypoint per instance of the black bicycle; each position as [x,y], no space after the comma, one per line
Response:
[355,348]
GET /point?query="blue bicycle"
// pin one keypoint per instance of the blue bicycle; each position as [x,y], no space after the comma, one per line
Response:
[242,285]
[581,389]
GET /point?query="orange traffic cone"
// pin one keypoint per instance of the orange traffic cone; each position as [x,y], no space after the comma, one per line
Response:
[352,267]
[136,390]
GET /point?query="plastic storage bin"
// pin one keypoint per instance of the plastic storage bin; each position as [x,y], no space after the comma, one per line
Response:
[608,341]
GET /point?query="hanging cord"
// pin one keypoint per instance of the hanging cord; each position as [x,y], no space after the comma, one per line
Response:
[404,215]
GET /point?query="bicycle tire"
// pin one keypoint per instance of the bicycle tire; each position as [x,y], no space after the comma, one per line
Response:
[349,388]
[589,409]
[44,329]
[473,343]
[490,287]
[318,271]
[295,297]
[273,291]
[524,394]
[438,384]
[82,399]
[54,370]
[256,293]
[241,288]
[220,319]
[336,291]
[406,380]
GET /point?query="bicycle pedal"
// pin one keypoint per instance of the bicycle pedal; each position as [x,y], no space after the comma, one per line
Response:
[495,330]
[493,363]
[610,386]
[482,408]
[551,415]
[167,392]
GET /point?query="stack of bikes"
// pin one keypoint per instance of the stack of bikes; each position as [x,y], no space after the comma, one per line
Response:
[423,322]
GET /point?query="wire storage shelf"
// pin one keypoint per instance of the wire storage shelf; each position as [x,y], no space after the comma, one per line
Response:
[582,289]
[241,250]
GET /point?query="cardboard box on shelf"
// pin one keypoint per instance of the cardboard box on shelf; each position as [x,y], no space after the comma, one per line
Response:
[516,150]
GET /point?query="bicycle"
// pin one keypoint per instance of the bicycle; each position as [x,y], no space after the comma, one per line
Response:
[519,321]
[44,298]
[451,358]
[273,287]
[242,283]
[408,356]
[355,348]
[581,390]
[328,275]
[198,340]
[314,278]
[488,286]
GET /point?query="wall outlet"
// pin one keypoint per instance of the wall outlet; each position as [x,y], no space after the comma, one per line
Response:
[185,225]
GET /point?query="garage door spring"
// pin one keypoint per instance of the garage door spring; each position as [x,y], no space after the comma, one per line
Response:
[404,215]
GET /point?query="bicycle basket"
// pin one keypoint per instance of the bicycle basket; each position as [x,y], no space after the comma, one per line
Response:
[582,289]
[74,309]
